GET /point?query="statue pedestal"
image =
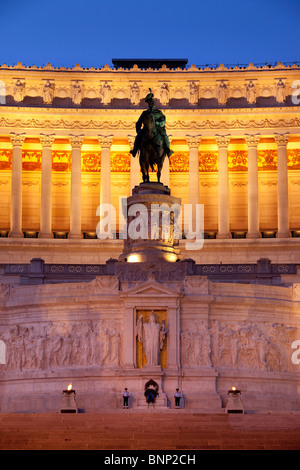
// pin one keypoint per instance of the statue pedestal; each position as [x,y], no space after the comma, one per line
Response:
[68,403]
[151,232]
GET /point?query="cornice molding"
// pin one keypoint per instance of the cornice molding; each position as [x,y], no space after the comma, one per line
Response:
[192,68]
[129,125]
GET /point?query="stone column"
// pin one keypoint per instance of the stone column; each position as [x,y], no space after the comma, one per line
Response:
[193,143]
[282,186]
[75,214]
[46,187]
[16,186]
[173,336]
[105,185]
[223,187]
[253,206]
[135,171]
[105,189]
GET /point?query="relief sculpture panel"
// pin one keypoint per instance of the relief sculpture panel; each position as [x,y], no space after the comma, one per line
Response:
[50,345]
[251,346]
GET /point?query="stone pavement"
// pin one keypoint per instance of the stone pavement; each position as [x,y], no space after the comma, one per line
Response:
[150,430]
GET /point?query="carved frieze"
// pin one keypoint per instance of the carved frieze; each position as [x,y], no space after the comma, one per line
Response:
[245,345]
[48,345]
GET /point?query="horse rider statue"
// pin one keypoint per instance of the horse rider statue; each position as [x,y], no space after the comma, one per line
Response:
[151,141]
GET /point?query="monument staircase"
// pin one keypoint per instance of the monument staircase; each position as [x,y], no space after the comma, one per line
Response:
[150,430]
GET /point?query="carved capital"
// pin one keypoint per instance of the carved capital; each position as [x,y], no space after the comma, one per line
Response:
[105,140]
[47,140]
[131,139]
[76,140]
[193,140]
[17,139]
[223,140]
[252,140]
[281,139]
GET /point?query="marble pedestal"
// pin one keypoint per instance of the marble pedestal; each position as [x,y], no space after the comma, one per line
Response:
[234,403]
[151,231]
[68,402]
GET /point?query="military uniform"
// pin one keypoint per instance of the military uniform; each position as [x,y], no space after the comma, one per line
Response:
[160,122]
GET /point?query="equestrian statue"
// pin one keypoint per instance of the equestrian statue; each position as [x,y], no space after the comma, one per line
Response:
[151,141]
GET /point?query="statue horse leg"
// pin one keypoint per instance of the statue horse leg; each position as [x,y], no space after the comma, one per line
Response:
[144,167]
[159,166]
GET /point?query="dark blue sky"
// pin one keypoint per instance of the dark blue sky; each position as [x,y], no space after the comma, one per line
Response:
[92,32]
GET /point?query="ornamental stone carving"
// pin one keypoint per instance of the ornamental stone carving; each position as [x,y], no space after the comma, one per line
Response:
[252,139]
[76,140]
[280,91]
[251,92]
[253,346]
[222,92]
[105,140]
[48,91]
[135,93]
[223,141]
[50,345]
[193,93]
[19,89]
[196,346]
[106,93]
[164,94]
[17,139]
[77,94]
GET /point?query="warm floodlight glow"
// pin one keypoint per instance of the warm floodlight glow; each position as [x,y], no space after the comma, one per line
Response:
[69,387]
[233,388]
[133,259]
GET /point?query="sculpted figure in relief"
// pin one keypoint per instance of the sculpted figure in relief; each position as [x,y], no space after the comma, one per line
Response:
[48,92]
[19,90]
[51,345]
[164,94]
[252,346]
[106,93]
[194,95]
[152,336]
[196,346]
[251,92]
[76,92]
[280,91]
[135,94]
[222,93]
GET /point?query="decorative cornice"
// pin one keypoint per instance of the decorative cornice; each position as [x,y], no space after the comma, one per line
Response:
[185,125]
[192,68]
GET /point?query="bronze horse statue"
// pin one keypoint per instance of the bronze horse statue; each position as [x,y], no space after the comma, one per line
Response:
[151,141]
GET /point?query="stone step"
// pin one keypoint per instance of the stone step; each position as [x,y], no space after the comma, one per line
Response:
[133,430]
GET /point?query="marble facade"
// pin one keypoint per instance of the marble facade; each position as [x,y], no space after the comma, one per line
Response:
[70,303]
[219,335]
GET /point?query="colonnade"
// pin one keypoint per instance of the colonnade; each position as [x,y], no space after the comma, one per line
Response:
[105,141]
